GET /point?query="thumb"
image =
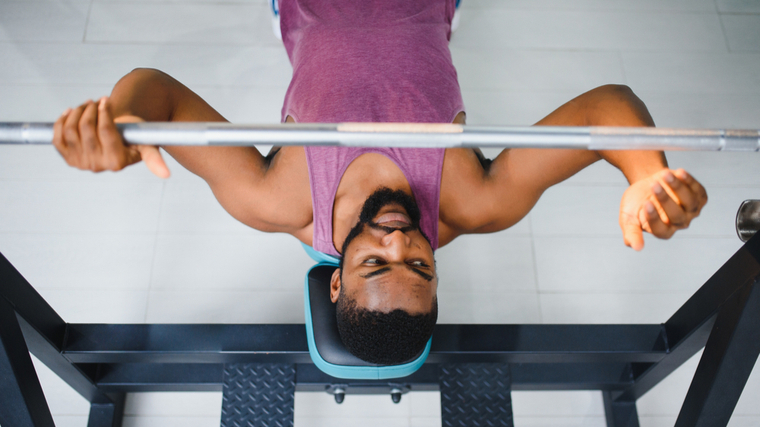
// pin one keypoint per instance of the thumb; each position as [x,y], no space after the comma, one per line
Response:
[153,160]
[633,235]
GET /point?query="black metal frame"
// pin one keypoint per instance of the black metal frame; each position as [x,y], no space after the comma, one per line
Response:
[103,362]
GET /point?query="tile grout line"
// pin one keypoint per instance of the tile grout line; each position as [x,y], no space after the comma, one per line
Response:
[87,22]
[535,269]
[722,27]
[155,247]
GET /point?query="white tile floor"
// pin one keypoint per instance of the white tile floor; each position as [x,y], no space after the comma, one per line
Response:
[129,248]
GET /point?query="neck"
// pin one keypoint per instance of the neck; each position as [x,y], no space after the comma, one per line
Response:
[362,177]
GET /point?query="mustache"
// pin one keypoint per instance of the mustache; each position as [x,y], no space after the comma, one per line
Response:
[390,230]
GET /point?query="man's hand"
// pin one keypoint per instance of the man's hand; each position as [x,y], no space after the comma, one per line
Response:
[88,139]
[660,204]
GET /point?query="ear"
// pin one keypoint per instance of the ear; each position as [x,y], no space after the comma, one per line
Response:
[335,285]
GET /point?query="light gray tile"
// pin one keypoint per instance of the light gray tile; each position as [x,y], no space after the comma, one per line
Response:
[105,64]
[599,307]
[41,163]
[44,103]
[596,5]
[726,169]
[425,422]
[649,421]
[553,29]
[742,32]
[532,70]
[185,404]
[52,21]
[189,207]
[213,261]
[176,421]
[322,405]
[585,421]
[505,108]
[556,403]
[351,422]
[594,211]
[748,6]
[70,420]
[693,73]
[100,262]
[225,307]
[425,405]
[605,264]
[181,1]
[104,207]
[743,421]
[488,307]
[174,23]
[97,306]
[578,210]
[704,110]
[62,400]
[491,262]
[245,104]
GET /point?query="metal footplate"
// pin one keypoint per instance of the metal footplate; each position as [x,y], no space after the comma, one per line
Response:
[475,394]
[258,395]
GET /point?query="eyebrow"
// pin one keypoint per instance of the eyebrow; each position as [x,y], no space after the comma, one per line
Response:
[387,269]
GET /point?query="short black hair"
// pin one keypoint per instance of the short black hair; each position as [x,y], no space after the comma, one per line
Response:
[383,338]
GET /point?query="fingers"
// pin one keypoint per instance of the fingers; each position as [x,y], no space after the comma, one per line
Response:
[115,154]
[58,140]
[70,133]
[153,160]
[88,139]
[652,222]
[633,235]
[91,149]
[697,189]
[679,198]
[670,209]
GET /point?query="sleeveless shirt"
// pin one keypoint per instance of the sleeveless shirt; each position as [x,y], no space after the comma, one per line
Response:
[370,61]
[421,166]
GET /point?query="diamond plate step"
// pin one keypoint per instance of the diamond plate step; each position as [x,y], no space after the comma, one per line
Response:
[258,395]
[475,394]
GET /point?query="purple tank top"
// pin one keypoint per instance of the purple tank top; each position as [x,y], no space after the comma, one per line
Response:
[421,166]
[370,61]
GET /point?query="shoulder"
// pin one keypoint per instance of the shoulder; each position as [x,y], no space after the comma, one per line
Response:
[463,194]
[279,201]
[481,197]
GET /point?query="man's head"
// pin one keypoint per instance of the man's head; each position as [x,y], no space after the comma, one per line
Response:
[385,287]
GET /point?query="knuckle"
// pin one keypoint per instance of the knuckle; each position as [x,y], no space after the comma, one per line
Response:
[114,163]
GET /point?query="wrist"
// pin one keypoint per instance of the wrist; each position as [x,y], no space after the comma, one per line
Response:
[639,165]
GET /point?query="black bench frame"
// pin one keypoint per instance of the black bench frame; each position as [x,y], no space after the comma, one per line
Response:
[103,362]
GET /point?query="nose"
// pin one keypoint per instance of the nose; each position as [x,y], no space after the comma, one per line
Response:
[396,242]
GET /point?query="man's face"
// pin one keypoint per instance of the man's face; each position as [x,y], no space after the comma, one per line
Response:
[388,263]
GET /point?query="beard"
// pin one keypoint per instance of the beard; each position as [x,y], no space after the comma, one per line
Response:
[382,197]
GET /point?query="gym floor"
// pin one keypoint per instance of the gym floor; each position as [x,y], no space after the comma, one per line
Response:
[130,248]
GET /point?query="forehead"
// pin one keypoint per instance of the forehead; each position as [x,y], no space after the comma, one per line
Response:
[396,289]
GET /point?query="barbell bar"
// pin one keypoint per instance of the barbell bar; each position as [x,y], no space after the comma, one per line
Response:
[428,135]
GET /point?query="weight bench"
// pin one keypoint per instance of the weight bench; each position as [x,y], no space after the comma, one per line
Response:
[260,367]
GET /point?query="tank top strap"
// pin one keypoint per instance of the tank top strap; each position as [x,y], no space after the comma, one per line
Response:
[421,166]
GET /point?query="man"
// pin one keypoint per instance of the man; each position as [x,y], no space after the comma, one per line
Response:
[386,209]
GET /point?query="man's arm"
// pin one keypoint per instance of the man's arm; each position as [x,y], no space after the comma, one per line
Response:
[517,178]
[87,138]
